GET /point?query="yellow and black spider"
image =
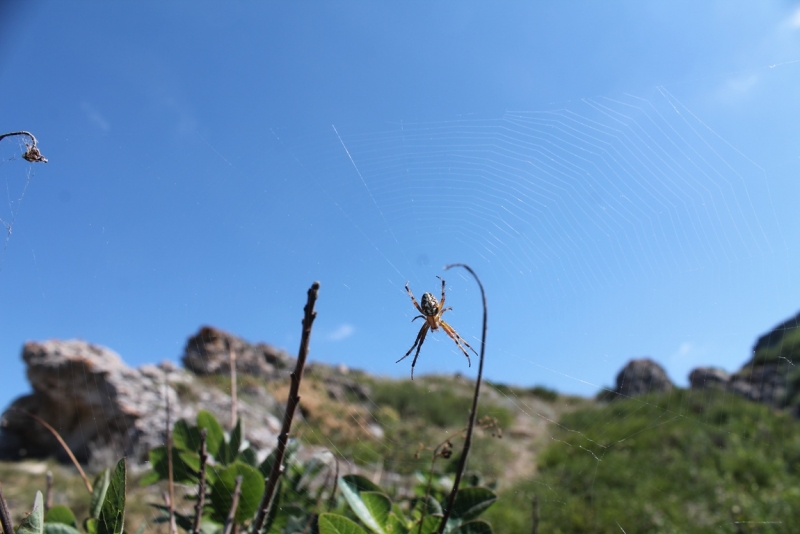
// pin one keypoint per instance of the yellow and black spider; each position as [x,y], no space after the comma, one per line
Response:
[432,312]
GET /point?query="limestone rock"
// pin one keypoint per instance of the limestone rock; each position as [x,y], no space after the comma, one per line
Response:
[640,377]
[709,377]
[104,409]
[208,352]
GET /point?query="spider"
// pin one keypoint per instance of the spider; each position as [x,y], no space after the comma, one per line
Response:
[432,312]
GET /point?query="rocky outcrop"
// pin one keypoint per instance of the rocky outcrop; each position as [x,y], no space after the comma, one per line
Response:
[640,377]
[104,409]
[771,374]
[209,352]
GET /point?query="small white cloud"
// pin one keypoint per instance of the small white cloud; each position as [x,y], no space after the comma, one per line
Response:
[342,332]
[95,117]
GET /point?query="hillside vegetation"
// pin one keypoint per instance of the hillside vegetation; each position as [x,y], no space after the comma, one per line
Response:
[687,461]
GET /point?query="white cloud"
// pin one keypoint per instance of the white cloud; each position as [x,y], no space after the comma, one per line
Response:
[342,332]
[95,117]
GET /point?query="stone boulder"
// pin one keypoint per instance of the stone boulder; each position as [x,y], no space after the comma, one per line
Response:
[104,409]
[209,352]
[708,378]
[640,377]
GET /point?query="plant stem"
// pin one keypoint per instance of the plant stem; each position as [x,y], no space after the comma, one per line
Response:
[234,408]
[5,518]
[201,483]
[462,462]
[234,504]
[48,493]
[32,154]
[291,405]
[173,528]
[63,444]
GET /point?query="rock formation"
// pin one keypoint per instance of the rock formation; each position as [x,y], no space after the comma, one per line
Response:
[640,377]
[769,376]
[104,409]
[209,352]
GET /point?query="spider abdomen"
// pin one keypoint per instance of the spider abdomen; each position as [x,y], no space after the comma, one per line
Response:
[430,306]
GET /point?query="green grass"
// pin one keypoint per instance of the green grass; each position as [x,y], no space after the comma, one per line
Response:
[688,461]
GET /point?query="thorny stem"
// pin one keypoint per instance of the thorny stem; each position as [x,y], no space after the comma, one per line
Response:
[291,405]
[5,518]
[201,483]
[63,444]
[173,528]
[234,504]
[32,154]
[462,462]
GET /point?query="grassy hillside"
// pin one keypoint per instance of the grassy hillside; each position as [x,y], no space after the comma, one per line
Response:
[687,461]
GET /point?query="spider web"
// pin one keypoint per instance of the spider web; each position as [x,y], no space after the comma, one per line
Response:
[558,207]
[573,214]
[17,175]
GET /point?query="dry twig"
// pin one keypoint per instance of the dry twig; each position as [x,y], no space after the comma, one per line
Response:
[291,406]
[237,490]
[201,483]
[32,153]
[63,444]
[5,518]
[173,527]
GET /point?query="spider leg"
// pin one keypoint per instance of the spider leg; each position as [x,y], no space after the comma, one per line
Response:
[416,304]
[417,317]
[418,344]
[443,310]
[450,331]
[441,303]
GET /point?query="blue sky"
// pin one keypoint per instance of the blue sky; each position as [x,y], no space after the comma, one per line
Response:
[623,176]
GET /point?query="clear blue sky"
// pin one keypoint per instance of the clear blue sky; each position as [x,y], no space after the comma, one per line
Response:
[624,177]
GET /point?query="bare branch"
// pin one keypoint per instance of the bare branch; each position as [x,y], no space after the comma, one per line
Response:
[201,483]
[291,405]
[234,504]
[5,518]
[173,528]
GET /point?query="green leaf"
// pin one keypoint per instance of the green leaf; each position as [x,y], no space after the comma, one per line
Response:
[473,527]
[367,500]
[112,514]
[337,524]
[60,528]
[90,525]
[379,506]
[472,502]
[185,436]
[185,466]
[61,514]
[250,497]
[215,436]
[396,525]
[249,457]
[34,523]
[429,525]
[236,440]
[100,486]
